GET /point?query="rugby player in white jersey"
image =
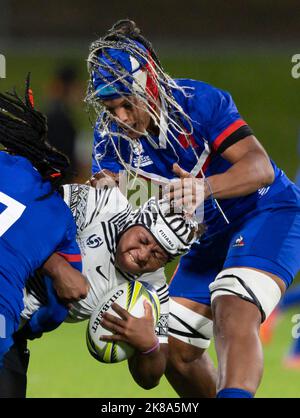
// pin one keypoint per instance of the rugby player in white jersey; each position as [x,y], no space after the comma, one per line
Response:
[117,244]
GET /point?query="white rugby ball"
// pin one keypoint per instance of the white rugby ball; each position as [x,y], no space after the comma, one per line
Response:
[130,296]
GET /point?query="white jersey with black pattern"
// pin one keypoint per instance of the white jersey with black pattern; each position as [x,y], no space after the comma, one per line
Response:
[100,215]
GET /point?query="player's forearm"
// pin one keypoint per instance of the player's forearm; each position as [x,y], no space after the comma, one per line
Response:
[244,177]
[69,283]
[47,318]
[148,369]
[54,265]
[51,315]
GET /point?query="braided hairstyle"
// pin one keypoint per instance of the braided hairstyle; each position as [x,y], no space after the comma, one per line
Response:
[107,69]
[23,131]
[123,33]
[124,29]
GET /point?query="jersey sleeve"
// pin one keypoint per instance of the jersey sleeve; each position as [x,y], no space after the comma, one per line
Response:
[69,248]
[48,316]
[90,205]
[104,154]
[221,120]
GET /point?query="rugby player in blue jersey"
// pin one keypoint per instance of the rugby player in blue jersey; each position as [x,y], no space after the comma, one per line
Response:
[128,245]
[163,129]
[34,220]
[290,300]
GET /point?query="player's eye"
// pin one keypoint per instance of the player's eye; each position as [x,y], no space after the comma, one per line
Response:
[157,255]
[144,240]
[111,110]
[127,106]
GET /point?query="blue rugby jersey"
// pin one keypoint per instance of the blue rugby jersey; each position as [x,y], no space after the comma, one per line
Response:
[30,229]
[217,125]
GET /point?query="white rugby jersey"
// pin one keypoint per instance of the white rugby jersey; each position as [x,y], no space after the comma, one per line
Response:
[100,215]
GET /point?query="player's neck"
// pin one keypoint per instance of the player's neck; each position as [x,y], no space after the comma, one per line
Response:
[154,128]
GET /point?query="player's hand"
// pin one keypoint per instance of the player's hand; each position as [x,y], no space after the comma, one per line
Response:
[26,333]
[104,178]
[188,192]
[69,284]
[138,332]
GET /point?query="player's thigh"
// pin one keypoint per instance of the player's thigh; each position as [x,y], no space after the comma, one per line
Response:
[268,242]
[240,295]
[195,271]
[190,331]
[262,259]
[190,324]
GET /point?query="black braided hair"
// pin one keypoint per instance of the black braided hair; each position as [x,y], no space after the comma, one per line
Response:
[23,131]
[123,30]
[126,28]
[123,35]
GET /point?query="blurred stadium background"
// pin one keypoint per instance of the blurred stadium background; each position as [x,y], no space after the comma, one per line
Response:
[243,47]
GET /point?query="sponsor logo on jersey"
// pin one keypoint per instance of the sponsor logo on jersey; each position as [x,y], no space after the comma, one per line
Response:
[239,242]
[94,241]
[105,308]
[166,238]
[263,191]
[98,270]
[139,159]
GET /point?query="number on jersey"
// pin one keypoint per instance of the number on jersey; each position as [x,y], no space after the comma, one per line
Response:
[11,213]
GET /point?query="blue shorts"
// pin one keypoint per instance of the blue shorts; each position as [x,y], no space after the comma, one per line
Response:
[267,238]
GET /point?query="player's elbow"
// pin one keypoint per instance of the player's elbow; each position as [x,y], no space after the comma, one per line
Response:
[149,382]
[264,171]
[146,377]
[149,386]
[268,174]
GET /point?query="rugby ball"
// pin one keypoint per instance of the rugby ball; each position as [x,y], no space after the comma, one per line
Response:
[130,296]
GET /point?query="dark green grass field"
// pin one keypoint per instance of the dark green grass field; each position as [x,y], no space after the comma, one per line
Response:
[268,98]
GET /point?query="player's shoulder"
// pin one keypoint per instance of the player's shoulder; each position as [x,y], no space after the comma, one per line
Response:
[88,203]
[22,181]
[55,204]
[12,160]
[17,167]
[191,82]
[114,201]
[200,99]
[157,279]
[102,128]
[190,88]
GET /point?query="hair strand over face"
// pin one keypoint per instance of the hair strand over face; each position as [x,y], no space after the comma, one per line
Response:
[125,36]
